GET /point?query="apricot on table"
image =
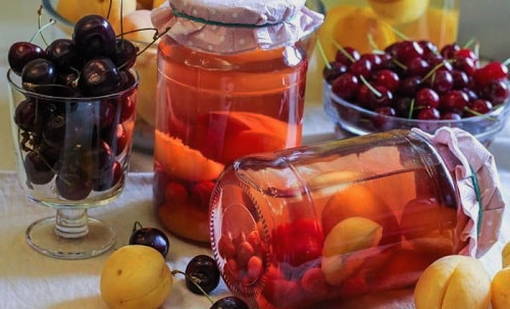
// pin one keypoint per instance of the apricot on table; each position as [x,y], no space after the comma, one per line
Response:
[500,290]
[453,282]
[135,277]
[343,244]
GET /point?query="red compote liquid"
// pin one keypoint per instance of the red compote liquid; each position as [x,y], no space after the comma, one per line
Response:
[325,224]
[213,109]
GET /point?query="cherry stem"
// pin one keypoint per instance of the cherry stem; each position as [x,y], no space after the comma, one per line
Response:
[477,49]
[469,43]
[137,226]
[343,51]
[194,281]
[323,54]
[397,32]
[374,91]
[433,71]
[469,110]
[156,37]
[372,43]
[122,18]
[137,30]
[52,21]
[109,9]
[411,110]
[39,19]
[399,64]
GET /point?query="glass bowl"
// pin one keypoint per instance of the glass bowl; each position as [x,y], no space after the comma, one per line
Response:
[72,154]
[357,120]
[146,66]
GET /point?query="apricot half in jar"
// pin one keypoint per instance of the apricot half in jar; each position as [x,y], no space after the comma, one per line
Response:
[399,11]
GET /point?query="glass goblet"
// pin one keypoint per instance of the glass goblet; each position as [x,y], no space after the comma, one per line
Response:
[72,154]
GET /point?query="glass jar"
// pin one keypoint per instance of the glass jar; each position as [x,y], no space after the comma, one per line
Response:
[333,221]
[214,107]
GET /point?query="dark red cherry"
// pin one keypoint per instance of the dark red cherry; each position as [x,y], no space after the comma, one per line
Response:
[104,156]
[38,171]
[465,64]
[442,81]
[99,77]
[471,94]
[428,47]
[21,53]
[128,108]
[38,72]
[491,72]
[384,99]
[49,153]
[127,80]
[418,66]
[387,79]
[402,106]
[346,86]
[449,51]
[454,100]
[106,114]
[410,85]
[54,130]
[466,53]
[433,59]
[73,183]
[230,302]
[150,237]
[25,115]
[408,50]
[202,270]
[68,78]
[125,54]
[497,92]
[429,114]
[386,61]
[94,37]
[460,79]
[381,121]
[374,59]
[451,116]
[479,107]
[62,53]
[336,70]
[341,58]
[362,67]
[392,49]
[363,96]
[427,97]
[109,177]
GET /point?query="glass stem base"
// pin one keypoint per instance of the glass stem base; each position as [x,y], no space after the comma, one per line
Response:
[71,235]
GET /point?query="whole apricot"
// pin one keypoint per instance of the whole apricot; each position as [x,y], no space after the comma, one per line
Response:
[500,290]
[506,255]
[135,277]
[453,282]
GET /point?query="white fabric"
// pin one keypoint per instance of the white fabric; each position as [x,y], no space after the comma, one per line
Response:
[292,22]
[464,155]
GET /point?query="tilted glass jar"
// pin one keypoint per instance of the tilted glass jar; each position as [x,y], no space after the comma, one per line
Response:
[313,224]
[221,94]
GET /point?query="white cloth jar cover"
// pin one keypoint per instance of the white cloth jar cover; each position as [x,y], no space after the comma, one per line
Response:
[235,26]
[474,172]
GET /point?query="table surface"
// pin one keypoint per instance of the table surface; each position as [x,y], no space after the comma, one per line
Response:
[30,280]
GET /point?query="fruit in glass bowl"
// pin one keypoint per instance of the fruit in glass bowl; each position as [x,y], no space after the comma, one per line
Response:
[418,85]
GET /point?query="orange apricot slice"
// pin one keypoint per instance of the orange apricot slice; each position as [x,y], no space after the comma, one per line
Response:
[185,220]
[181,161]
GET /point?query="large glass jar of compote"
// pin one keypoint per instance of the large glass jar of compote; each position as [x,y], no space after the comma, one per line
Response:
[232,86]
[301,227]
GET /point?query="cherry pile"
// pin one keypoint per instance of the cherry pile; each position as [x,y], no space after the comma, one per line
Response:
[63,133]
[415,80]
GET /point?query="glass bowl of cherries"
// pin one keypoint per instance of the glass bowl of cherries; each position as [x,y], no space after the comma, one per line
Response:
[73,112]
[413,84]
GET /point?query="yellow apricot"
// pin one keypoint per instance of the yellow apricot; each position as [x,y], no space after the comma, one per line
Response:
[345,247]
[506,255]
[135,277]
[399,11]
[453,282]
[500,290]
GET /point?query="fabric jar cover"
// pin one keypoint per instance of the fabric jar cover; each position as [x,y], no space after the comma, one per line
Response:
[234,26]
[475,175]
